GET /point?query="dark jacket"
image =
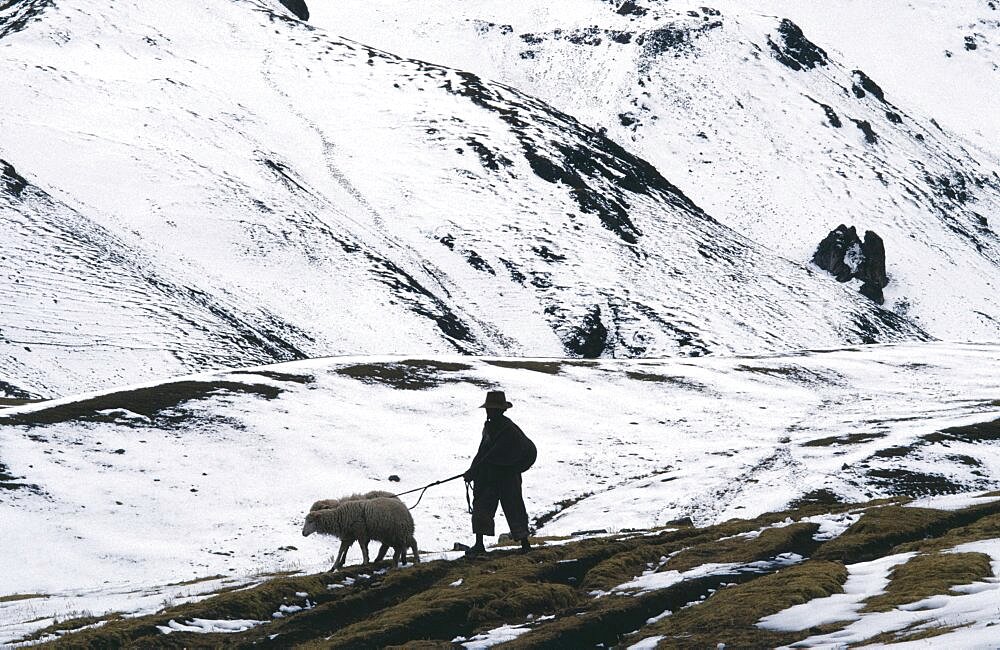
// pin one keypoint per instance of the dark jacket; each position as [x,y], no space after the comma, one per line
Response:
[503,451]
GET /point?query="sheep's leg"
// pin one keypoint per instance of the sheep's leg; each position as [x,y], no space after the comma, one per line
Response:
[364,550]
[345,545]
[396,553]
[381,553]
[413,547]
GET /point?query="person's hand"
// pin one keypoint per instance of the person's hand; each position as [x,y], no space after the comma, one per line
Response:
[467,476]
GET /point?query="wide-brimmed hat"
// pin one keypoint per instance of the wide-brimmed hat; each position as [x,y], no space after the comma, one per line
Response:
[495,399]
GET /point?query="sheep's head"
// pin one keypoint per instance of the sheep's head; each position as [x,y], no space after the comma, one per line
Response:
[310,527]
[324,504]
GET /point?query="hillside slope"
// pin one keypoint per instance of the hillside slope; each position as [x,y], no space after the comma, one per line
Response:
[304,195]
[776,132]
[901,572]
[140,490]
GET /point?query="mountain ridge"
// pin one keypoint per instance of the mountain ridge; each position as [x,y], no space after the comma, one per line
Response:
[345,200]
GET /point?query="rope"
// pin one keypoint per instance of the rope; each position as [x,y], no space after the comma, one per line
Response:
[424,489]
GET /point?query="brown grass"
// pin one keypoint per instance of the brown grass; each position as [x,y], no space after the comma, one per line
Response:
[730,615]
[928,575]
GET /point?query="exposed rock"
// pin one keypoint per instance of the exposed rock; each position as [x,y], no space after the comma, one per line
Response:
[297,7]
[630,8]
[846,257]
[590,337]
[19,14]
[13,392]
[864,85]
[10,181]
[796,51]
[872,268]
[866,127]
[835,250]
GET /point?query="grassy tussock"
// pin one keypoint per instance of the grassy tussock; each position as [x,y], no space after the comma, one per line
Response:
[880,529]
[796,538]
[911,634]
[730,615]
[535,541]
[695,546]
[12,597]
[546,367]
[927,575]
[405,375]
[986,528]
[543,598]
[70,624]
[504,589]
[258,603]
[632,561]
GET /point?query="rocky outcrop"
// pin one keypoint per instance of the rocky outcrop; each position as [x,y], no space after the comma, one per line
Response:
[297,7]
[846,257]
[590,338]
[795,50]
[10,181]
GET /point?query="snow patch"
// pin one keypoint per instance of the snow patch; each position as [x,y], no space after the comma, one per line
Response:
[208,626]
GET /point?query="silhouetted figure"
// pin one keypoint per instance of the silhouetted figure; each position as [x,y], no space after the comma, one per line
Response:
[504,453]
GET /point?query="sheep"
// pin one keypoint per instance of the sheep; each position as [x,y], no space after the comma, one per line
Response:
[382,518]
[346,543]
[323,504]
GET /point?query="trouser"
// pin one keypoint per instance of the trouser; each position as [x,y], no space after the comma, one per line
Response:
[505,491]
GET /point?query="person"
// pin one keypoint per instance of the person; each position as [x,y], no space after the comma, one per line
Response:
[495,473]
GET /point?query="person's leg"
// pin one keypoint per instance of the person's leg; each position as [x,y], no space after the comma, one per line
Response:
[485,498]
[512,502]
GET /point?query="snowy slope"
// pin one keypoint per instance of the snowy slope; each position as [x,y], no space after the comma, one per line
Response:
[81,293]
[211,475]
[940,56]
[276,192]
[778,135]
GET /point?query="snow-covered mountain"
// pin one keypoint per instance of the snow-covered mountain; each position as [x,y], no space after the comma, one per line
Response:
[137,491]
[204,185]
[777,131]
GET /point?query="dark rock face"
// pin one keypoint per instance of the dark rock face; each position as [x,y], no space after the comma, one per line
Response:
[601,175]
[590,337]
[797,52]
[872,268]
[866,127]
[20,13]
[831,252]
[630,8]
[846,257]
[10,181]
[297,7]
[832,117]
[12,391]
[864,85]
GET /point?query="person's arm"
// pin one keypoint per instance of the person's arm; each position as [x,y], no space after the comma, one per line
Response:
[481,453]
